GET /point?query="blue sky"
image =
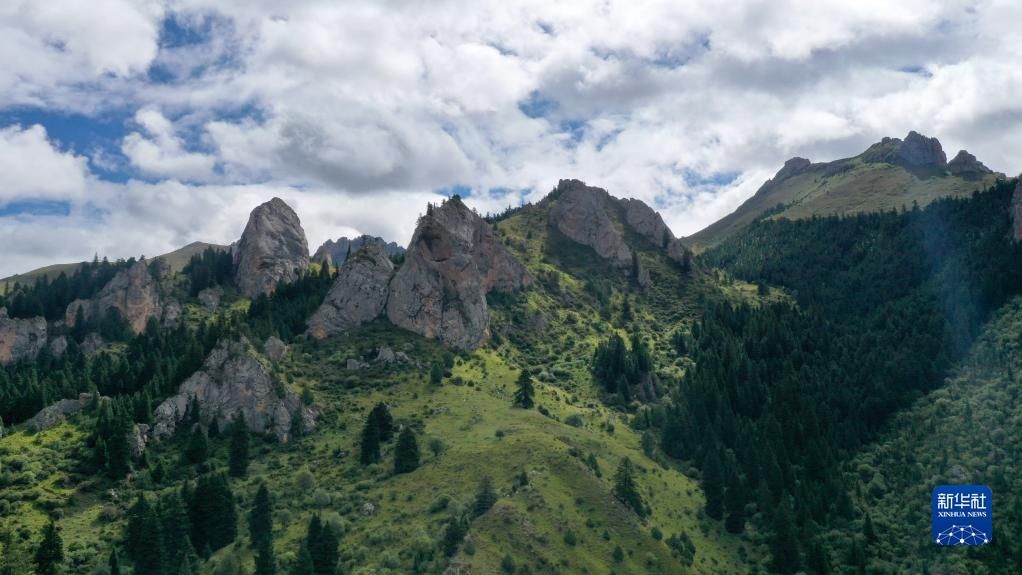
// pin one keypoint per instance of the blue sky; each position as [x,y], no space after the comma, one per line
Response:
[132,127]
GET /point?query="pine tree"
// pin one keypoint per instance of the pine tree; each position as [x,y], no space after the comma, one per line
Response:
[626,490]
[869,531]
[238,457]
[16,558]
[485,497]
[197,451]
[734,504]
[384,421]
[322,545]
[406,453]
[454,532]
[49,556]
[713,488]
[260,519]
[114,563]
[524,395]
[784,553]
[304,564]
[265,562]
[436,374]
[151,557]
[370,441]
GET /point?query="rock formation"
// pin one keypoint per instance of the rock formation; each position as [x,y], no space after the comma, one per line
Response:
[273,249]
[274,348]
[336,252]
[359,293]
[453,261]
[132,292]
[234,379]
[650,224]
[967,166]
[56,413]
[20,338]
[210,298]
[915,151]
[581,214]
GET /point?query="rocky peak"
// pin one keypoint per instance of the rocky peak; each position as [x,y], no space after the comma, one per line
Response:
[359,293]
[235,379]
[453,261]
[20,338]
[133,292]
[335,252]
[271,250]
[915,151]
[792,167]
[966,165]
[581,214]
[650,224]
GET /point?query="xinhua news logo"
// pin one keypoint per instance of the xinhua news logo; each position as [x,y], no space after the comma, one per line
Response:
[962,515]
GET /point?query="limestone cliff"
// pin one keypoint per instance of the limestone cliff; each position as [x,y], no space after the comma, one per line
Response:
[358,295]
[272,249]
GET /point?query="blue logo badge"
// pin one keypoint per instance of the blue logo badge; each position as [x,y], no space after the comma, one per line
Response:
[962,515]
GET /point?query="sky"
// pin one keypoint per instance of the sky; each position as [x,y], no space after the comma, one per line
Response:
[134,127]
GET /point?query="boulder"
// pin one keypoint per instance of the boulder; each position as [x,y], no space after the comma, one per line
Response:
[359,293]
[272,249]
[234,380]
[58,346]
[274,348]
[138,438]
[355,364]
[387,355]
[172,311]
[210,298]
[133,292]
[581,214]
[20,338]
[54,414]
[453,261]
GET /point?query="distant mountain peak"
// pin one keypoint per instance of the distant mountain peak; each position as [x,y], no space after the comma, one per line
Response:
[915,151]
[966,165]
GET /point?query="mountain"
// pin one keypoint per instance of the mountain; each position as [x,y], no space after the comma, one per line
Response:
[564,388]
[892,174]
[176,260]
[336,252]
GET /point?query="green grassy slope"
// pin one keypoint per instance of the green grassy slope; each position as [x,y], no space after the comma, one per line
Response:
[842,187]
[177,260]
[966,432]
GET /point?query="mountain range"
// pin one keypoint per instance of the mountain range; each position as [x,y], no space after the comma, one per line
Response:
[568,387]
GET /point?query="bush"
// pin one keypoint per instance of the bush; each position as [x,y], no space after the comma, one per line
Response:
[574,420]
[569,538]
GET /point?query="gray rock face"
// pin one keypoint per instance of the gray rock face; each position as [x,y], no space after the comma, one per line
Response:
[650,224]
[359,293]
[272,249]
[336,252]
[581,214]
[918,150]
[210,298]
[1016,211]
[274,348]
[138,438]
[58,346]
[57,413]
[132,292]
[172,311]
[20,338]
[233,380]
[453,261]
[792,167]
[92,344]
[966,165]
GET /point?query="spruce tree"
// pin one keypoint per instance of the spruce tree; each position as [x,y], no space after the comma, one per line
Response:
[436,374]
[713,486]
[49,556]
[238,457]
[626,490]
[114,563]
[197,451]
[734,504]
[406,453]
[151,557]
[322,546]
[454,532]
[260,519]
[384,421]
[485,497]
[370,441]
[525,394]
[304,564]
[784,553]
[265,562]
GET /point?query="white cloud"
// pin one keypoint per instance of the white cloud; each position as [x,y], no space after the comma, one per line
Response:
[357,111]
[32,168]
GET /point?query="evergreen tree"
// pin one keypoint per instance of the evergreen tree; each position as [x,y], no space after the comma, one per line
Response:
[436,374]
[49,556]
[238,457]
[304,564]
[485,497]
[524,395]
[406,453]
[454,532]
[322,544]
[213,512]
[384,421]
[626,490]
[197,451]
[734,504]
[150,556]
[370,441]
[265,562]
[16,558]
[713,488]
[868,530]
[114,563]
[784,552]
[260,519]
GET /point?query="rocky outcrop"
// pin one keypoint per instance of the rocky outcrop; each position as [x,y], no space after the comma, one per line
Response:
[235,380]
[581,214]
[337,252]
[20,338]
[92,344]
[650,224]
[138,438]
[274,348]
[967,166]
[1016,211]
[453,261]
[172,311]
[915,151]
[359,293]
[58,346]
[273,249]
[57,413]
[132,292]
[210,298]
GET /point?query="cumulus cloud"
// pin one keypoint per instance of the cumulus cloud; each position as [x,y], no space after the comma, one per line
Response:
[31,168]
[358,112]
